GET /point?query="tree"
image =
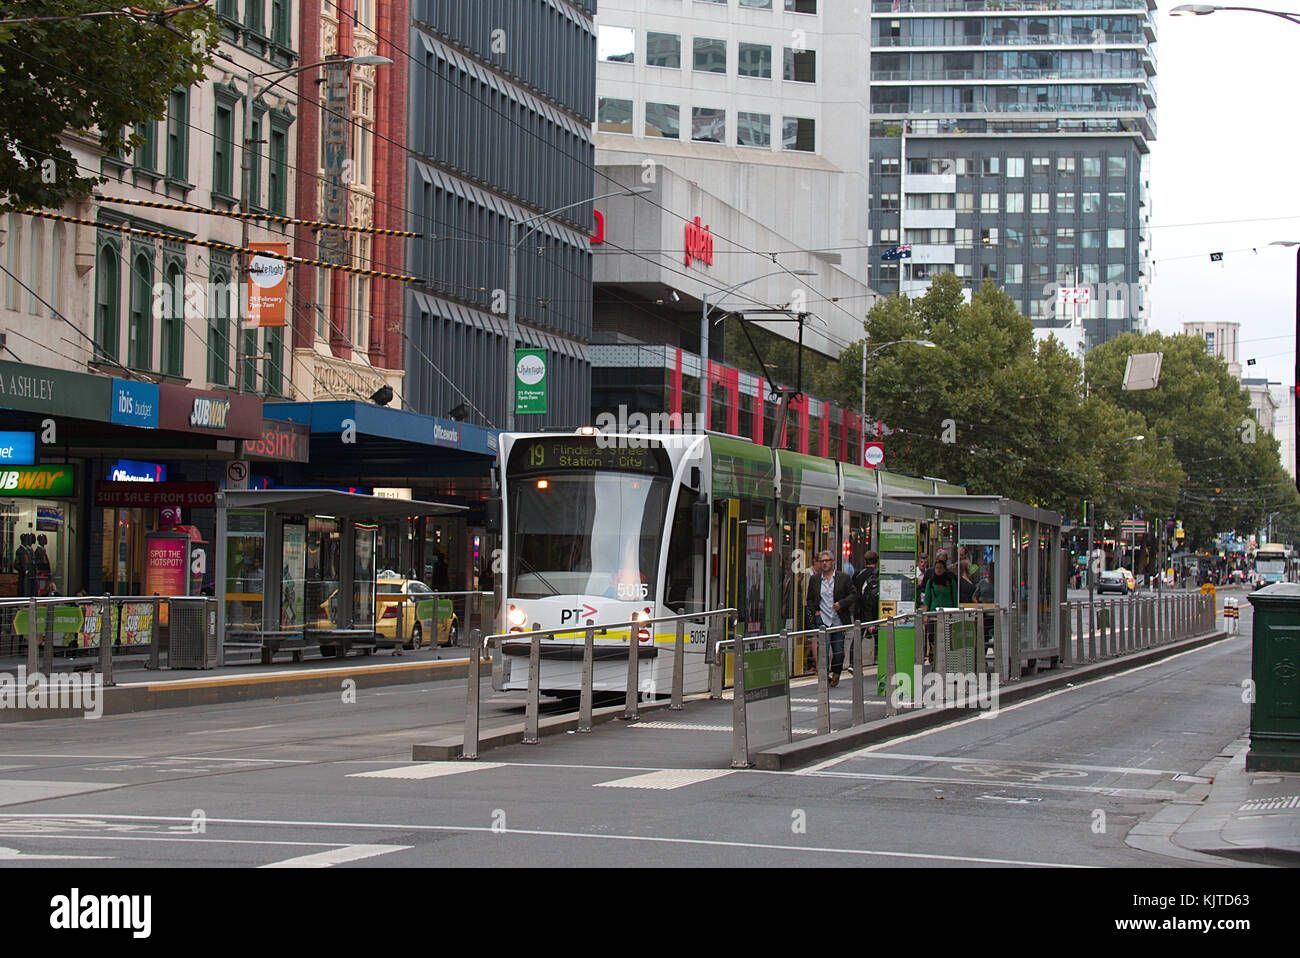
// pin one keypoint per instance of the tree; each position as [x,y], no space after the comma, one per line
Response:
[990,407]
[91,74]
[1233,475]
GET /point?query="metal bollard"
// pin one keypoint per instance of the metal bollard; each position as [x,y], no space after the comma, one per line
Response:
[891,705]
[823,682]
[633,675]
[588,679]
[859,702]
[717,666]
[679,666]
[433,639]
[47,647]
[1082,653]
[106,640]
[1067,637]
[469,748]
[33,640]
[156,636]
[941,644]
[1000,644]
[534,690]
[1015,665]
[739,730]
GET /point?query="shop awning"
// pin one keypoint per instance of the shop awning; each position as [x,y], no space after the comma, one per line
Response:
[329,502]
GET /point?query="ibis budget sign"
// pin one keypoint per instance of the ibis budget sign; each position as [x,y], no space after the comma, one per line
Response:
[37,482]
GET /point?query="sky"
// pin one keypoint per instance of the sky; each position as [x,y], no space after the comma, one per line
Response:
[1226,149]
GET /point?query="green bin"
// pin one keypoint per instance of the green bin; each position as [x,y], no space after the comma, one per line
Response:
[1275,669]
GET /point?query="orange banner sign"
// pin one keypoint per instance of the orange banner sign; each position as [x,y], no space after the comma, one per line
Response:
[267,285]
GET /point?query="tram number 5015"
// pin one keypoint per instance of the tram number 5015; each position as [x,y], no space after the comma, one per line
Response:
[633,590]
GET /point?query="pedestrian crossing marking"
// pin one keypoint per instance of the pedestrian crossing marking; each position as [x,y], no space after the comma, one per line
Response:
[426,770]
[667,778]
[1271,804]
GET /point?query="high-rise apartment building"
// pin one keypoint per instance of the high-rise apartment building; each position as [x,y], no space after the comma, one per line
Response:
[1009,142]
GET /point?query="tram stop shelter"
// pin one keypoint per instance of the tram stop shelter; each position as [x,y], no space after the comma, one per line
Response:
[1020,547]
[296,568]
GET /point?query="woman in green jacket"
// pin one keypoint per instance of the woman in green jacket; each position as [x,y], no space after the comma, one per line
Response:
[941,589]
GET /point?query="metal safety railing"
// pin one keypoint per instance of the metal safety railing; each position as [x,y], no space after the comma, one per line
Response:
[1102,629]
[110,625]
[715,620]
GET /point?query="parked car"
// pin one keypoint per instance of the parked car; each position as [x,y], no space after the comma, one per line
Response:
[1113,581]
[1128,577]
[412,600]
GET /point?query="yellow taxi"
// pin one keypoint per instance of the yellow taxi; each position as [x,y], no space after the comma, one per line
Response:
[1132,582]
[408,603]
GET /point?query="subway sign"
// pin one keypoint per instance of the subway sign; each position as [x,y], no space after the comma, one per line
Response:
[37,482]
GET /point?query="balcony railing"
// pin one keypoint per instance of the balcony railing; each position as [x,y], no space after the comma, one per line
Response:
[1013,40]
[1134,75]
[887,108]
[999,6]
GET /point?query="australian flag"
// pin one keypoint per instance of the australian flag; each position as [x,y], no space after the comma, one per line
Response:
[896,253]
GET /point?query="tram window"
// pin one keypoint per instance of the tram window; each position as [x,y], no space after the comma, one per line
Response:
[679,578]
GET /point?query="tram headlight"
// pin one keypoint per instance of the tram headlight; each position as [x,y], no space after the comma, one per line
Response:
[642,635]
[517,617]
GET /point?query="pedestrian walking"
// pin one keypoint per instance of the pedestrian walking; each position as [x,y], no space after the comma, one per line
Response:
[830,601]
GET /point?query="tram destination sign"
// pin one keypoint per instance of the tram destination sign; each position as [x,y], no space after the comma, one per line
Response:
[566,452]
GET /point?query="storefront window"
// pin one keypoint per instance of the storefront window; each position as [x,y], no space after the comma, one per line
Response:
[34,547]
[122,563]
[245,565]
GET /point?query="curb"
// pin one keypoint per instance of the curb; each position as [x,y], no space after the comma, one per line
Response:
[218,690]
[797,754]
[451,748]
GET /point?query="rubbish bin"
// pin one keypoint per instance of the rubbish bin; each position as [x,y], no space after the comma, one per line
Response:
[1275,669]
[194,633]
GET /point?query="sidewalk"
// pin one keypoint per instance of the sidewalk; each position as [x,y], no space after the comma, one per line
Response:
[1248,816]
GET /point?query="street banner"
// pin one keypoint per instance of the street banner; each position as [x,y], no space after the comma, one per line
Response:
[268,282]
[530,381]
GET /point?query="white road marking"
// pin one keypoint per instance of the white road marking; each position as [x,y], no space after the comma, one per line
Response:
[221,731]
[991,715]
[1148,793]
[17,791]
[53,755]
[684,726]
[337,856]
[652,839]
[426,770]
[13,854]
[1116,769]
[668,778]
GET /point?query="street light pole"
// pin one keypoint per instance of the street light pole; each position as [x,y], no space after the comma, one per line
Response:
[246,171]
[512,292]
[862,422]
[704,333]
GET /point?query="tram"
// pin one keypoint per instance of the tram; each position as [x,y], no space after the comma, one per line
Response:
[604,528]
[1271,562]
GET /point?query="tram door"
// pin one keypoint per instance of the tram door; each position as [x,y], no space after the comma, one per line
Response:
[741,558]
[809,531]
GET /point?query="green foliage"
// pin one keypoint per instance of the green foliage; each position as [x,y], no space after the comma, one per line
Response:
[1200,409]
[89,76]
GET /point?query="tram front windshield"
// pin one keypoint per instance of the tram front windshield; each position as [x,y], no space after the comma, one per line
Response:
[586,533]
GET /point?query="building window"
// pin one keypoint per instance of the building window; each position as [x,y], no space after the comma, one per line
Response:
[255,162]
[146,154]
[173,317]
[889,202]
[1089,239]
[961,270]
[281,23]
[253,20]
[1015,239]
[800,6]
[1039,238]
[800,66]
[1209,343]
[108,294]
[273,367]
[962,165]
[708,125]
[710,55]
[663,50]
[139,349]
[889,166]
[221,302]
[1115,239]
[1042,273]
[614,115]
[616,44]
[1089,273]
[223,152]
[664,120]
[277,187]
[1040,203]
[989,164]
[755,60]
[1092,202]
[11,254]
[1092,166]
[1064,165]
[1065,202]
[1115,273]
[989,236]
[1040,165]
[965,202]
[965,237]
[178,136]
[1064,237]
[1116,165]
[754,129]
[888,272]
[1015,202]
[1015,167]
[1115,202]
[988,202]
[889,236]
[56,268]
[757,5]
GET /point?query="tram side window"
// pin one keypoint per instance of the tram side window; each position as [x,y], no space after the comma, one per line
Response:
[680,575]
